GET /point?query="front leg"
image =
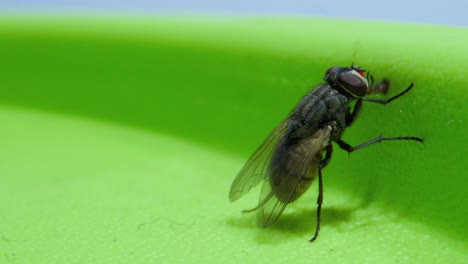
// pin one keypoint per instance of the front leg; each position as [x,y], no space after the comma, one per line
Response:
[381,87]
[386,101]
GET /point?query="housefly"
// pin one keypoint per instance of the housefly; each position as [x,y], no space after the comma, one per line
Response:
[296,151]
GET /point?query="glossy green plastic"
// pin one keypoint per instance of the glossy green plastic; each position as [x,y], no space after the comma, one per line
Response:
[120,137]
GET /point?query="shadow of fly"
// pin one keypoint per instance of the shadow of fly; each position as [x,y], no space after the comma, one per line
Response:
[296,151]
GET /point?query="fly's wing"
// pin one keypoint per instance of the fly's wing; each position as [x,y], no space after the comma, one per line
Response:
[288,169]
[254,171]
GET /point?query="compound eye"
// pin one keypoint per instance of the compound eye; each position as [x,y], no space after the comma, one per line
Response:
[354,83]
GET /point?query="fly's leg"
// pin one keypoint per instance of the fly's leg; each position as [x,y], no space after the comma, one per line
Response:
[322,165]
[381,87]
[355,113]
[345,146]
[386,101]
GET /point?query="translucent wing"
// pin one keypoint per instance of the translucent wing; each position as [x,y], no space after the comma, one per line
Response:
[254,171]
[292,169]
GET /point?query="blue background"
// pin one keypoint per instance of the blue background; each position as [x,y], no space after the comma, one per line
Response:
[451,12]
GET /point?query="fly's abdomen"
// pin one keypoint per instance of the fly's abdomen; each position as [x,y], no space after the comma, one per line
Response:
[292,171]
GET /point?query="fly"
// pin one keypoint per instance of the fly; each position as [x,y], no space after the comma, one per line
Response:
[297,151]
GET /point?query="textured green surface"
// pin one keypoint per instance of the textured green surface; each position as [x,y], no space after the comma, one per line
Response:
[120,138]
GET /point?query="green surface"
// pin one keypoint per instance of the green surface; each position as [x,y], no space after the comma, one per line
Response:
[120,138]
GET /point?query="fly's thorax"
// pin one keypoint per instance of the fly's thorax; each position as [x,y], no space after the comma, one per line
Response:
[338,112]
[320,107]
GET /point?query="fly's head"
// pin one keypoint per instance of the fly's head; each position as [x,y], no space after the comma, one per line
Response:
[355,81]
[352,80]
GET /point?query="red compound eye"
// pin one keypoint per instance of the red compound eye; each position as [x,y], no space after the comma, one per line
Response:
[361,73]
